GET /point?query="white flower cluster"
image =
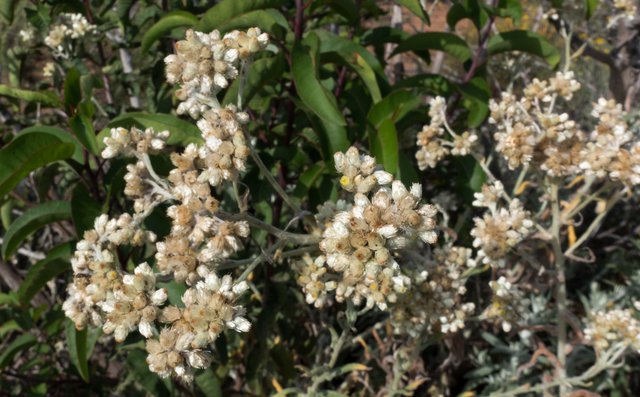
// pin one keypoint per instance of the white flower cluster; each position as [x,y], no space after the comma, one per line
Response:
[97,279]
[611,149]
[507,304]
[140,186]
[104,295]
[627,9]
[133,142]
[531,132]
[205,63]
[27,35]
[210,308]
[225,150]
[134,304]
[500,228]
[432,147]
[434,301]
[359,243]
[69,26]
[606,328]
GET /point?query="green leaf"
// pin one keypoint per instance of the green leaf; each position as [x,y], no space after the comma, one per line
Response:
[84,209]
[21,343]
[346,8]
[7,8]
[406,171]
[226,10]
[182,132]
[39,274]
[311,91]
[83,129]
[61,134]
[77,345]
[440,41]
[32,220]
[44,97]
[476,94]
[525,41]
[260,73]
[590,7]
[333,138]
[510,9]
[27,153]
[309,179]
[416,8]
[72,91]
[166,24]
[430,83]
[39,18]
[384,145]
[467,9]
[209,383]
[270,20]
[175,291]
[356,57]
[330,42]
[394,107]
[478,177]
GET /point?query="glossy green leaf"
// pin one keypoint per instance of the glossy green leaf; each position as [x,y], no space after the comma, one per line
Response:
[72,91]
[21,343]
[7,8]
[84,209]
[525,41]
[209,383]
[56,262]
[380,36]
[429,83]
[261,72]
[440,41]
[175,291]
[509,9]
[32,220]
[27,153]
[467,9]
[330,42]
[82,128]
[356,57]
[77,347]
[227,10]
[345,8]
[476,94]
[334,138]
[308,179]
[590,7]
[270,20]
[393,107]
[415,7]
[44,97]
[39,18]
[182,132]
[165,25]
[407,171]
[61,134]
[384,145]
[313,94]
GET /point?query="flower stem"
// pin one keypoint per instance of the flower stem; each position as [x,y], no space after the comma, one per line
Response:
[561,287]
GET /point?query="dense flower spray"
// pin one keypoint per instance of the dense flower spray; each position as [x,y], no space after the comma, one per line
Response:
[103,293]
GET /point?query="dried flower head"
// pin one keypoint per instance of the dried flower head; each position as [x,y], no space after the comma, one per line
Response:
[205,63]
[359,242]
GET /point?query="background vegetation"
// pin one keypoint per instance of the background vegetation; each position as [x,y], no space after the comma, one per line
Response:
[337,73]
